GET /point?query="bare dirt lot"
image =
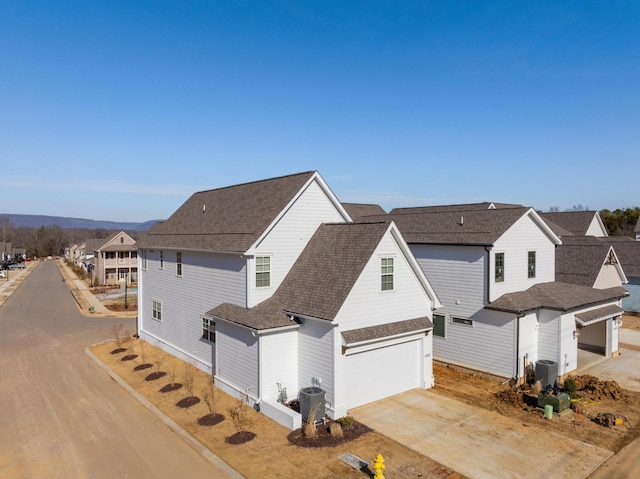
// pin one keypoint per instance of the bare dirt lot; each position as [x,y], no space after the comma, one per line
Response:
[269,453]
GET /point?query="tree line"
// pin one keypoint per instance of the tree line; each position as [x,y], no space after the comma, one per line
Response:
[621,222]
[50,240]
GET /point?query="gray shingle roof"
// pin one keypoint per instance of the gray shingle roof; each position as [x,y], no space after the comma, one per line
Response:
[576,222]
[387,330]
[359,211]
[628,251]
[579,259]
[456,224]
[594,315]
[228,219]
[320,280]
[555,295]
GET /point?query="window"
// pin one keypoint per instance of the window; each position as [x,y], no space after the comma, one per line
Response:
[110,255]
[531,265]
[134,254]
[161,259]
[157,310]
[386,274]
[465,321]
[179,263]
[499,267]
[208,330]
[263,271]
[438,325]
[144,259]
[121,240]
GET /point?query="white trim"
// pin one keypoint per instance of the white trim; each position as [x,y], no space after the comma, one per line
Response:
[362,346]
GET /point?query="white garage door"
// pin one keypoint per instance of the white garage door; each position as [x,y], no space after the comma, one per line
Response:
[383,372]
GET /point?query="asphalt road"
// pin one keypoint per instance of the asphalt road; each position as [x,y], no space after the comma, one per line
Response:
[61,416]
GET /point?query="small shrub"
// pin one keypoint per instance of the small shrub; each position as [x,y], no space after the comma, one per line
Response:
[239,414]
[335,430]
[570,386]
[209,396]
[189,376]
[143,350]
[116,330]
[345,421]
[158,363]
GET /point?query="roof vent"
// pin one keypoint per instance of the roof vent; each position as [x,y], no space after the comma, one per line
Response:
[461,220]
[492,206]
[204,208]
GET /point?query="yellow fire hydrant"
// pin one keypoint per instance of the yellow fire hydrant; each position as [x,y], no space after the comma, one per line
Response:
[378,467]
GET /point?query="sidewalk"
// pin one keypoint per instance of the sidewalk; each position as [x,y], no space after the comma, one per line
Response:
[87,302]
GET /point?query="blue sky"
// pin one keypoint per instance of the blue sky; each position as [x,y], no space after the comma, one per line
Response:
[119,110]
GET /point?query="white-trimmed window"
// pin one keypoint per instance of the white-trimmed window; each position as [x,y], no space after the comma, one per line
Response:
[156,307]
[263,271]
[386,271]
[499,264]
[161,259]
[208,329]
[439,325]
[465,321]
[531,264]
[179,263]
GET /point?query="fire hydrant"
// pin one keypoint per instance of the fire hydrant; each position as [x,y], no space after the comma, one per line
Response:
[378,467]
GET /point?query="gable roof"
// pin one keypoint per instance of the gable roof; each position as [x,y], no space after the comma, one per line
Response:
[628,251]
[476,224]
[229,219]
[360,211]
[579,259]
[109,245]
[555,295]
[576,223]
[320,281]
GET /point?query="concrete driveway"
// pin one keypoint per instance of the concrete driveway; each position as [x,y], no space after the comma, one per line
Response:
[477,442]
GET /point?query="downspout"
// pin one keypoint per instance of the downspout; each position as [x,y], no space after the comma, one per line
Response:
[488,269]
[517,377]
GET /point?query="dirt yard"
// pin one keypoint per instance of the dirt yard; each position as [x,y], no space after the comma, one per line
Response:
[594,396]
[269,452]
[272,452]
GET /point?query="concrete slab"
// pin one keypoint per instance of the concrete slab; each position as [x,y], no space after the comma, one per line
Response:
[623,369]
[629,336]
[477,442]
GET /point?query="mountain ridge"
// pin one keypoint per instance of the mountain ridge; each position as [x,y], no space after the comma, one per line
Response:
[36,221]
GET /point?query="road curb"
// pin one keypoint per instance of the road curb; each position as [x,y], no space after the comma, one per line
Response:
[188,438]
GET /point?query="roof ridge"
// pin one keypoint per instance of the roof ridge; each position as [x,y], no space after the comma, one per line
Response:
[264,180]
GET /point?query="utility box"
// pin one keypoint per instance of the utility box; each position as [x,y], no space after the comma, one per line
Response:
[559,402]
[312,402]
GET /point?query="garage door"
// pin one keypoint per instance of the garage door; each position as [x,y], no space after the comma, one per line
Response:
[382,372]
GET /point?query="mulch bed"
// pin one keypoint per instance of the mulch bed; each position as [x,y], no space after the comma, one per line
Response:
[188,402]
[129,357]
[240,437]
[210,419]
[118,351]
[324,438]
[155,376]
[142,367]
[170,387]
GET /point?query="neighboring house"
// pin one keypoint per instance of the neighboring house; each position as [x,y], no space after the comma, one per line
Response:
[628,251]
[493,267]
[576,223]
[637,231]
[117,260]
[271,287]
[109,261]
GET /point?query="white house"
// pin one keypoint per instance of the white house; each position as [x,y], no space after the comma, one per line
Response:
[493,268]
[271,286]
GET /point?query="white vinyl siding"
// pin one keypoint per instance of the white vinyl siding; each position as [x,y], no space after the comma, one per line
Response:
[548,336]
[212,280]
[523,236]
[290,234]
[458,275]
[237,359]
[315,356]
[279,359]
[489,345]
[368,306]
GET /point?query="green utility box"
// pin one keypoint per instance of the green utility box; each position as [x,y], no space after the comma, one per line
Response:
[559,402]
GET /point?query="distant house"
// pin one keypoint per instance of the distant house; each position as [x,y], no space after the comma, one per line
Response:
[637,231]
[272,287]
[108,261]
[628,251]
[493,266]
